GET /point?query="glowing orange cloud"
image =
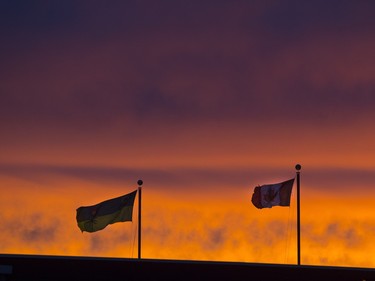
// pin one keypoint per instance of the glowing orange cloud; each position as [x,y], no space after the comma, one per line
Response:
[39,218]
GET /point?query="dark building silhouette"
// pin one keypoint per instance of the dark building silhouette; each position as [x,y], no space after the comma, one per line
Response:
[33,267]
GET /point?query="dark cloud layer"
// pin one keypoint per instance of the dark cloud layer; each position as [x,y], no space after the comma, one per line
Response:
[91,64]
[325,179]
[152,177]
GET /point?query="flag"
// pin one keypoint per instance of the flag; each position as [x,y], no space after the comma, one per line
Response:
[97,217]
[278,194]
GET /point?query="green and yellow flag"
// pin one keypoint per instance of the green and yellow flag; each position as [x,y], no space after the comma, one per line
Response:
[97,217]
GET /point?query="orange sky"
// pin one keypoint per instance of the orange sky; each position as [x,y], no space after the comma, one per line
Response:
[189,221]
[202,103]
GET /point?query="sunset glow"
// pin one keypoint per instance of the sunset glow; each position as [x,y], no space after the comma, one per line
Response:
[202,102]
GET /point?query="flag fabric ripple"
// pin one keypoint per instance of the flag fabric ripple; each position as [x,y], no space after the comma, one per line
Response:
[97,217]
[269,195]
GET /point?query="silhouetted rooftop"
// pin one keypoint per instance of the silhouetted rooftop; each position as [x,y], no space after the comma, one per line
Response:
[36,267]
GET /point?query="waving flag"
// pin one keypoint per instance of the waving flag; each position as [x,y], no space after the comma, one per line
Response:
[278,194]
[97,217]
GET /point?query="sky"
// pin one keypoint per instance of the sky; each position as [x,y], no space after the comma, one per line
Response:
[203,101]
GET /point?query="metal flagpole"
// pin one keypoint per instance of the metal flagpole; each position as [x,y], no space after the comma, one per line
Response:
[140,182]
[298,168]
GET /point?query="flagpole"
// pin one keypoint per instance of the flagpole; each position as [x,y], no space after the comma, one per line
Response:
[140,182]
[298,168]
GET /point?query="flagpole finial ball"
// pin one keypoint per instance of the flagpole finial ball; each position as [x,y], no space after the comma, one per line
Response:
[140,182]
[298,167]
